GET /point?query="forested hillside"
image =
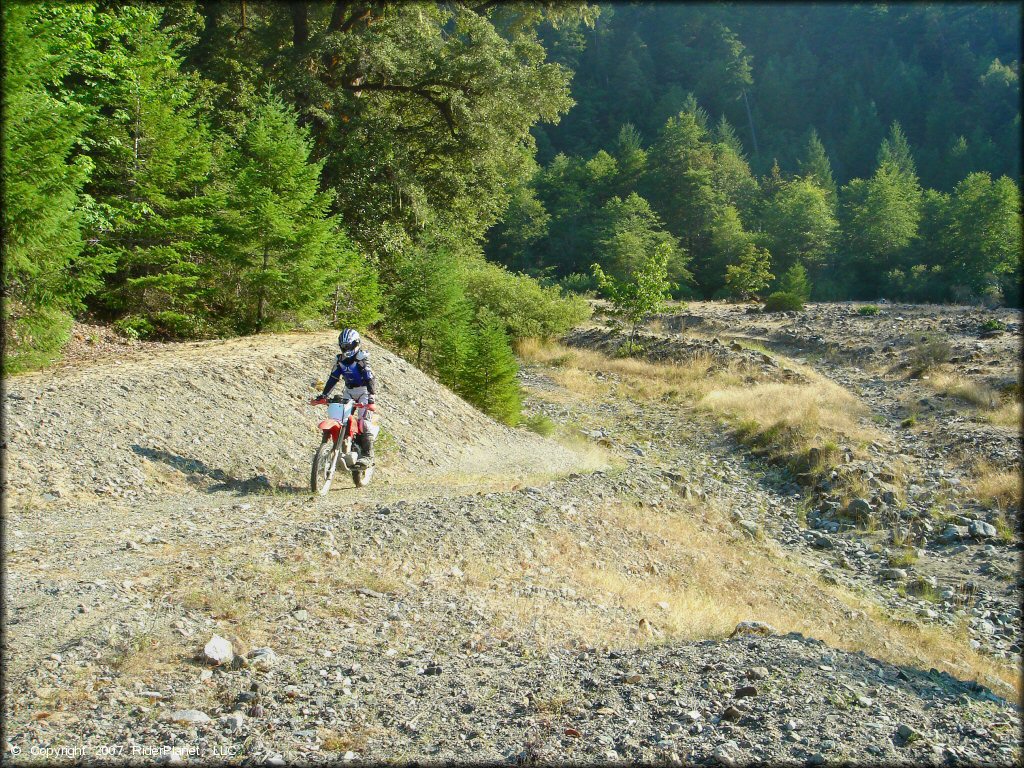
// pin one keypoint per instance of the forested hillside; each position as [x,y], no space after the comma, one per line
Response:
[212,168]
[205,169]
[876,148]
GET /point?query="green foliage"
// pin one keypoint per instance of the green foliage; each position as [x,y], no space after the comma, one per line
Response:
[751,275]
[881,216]
[629,231]
[993,324]
[283,250]
[643,294]
[44,277]
[33,338]
[487,378]
[799,224]
[783,302]
[152,215]
[816,167]
[983,233]
[795,282]
[868,310]
[579,283]
[539,423]
[525,307]
[426,314]
[524,223]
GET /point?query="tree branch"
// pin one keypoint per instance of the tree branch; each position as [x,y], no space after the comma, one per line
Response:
[433,97]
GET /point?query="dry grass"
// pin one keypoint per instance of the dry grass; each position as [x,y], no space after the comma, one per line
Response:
[1003,410]
[1000,488]
[784,421]
[695,580]
[977,393]
[1006,414]
[355,739]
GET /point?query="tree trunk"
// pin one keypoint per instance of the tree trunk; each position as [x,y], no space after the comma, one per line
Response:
[300,25]
[750,119]
[261,305]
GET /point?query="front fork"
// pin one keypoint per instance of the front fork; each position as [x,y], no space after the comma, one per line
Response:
[343,446]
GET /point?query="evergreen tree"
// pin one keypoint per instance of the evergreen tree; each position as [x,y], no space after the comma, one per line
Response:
[282,247]
[426,314]
[630,231]
[487,378]
[799,225]
[815,165]
[895,151]
[152,219]
[750,275]
[879,224]
[681,181]
[43,173]
[631,159]
[795,282]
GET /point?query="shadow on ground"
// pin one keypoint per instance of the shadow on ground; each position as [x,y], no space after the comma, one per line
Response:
[200,474]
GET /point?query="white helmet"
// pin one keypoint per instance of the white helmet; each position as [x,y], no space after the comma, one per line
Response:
[349,341]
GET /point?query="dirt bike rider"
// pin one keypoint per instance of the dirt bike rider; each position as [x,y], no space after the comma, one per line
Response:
[353,367]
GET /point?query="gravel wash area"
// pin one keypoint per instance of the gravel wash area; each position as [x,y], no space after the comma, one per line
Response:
[532,603]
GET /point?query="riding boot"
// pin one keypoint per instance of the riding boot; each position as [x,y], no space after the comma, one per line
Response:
[366,446]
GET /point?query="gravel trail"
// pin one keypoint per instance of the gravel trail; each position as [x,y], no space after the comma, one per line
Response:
[495,597]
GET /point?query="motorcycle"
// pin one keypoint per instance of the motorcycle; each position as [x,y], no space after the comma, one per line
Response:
[344,423]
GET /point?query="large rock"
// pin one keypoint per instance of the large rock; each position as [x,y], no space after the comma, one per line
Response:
[979,529]
[189,716]
[219,651]
[263,658]
[953,533]
[859,510]
[893,574]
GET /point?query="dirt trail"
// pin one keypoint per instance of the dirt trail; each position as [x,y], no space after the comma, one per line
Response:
[493,598]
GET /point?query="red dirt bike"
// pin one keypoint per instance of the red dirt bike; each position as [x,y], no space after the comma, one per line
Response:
[344,423]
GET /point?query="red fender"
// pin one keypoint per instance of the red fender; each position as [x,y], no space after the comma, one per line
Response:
[333,426]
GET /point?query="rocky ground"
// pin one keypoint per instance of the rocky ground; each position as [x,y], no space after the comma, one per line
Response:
[172,592]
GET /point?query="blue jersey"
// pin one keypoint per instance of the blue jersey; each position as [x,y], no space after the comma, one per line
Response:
[355,372]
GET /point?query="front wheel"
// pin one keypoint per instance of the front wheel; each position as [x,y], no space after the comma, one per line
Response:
[319,482]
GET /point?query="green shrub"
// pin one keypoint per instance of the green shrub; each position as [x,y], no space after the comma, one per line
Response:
[487,378]
[527,308]
[867,310]
[134,327]
[783,302]
[580,283]
[795,282]
[931,350]
[539,423]
[993,324]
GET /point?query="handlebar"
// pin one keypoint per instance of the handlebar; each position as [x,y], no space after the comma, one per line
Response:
[355,403]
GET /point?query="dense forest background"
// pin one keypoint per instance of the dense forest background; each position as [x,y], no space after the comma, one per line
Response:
[453,175]
[865,150]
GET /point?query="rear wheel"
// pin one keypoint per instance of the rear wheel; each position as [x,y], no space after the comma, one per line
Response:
[318,480]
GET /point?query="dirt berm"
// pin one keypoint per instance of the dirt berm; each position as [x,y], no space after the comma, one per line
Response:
[235,415]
